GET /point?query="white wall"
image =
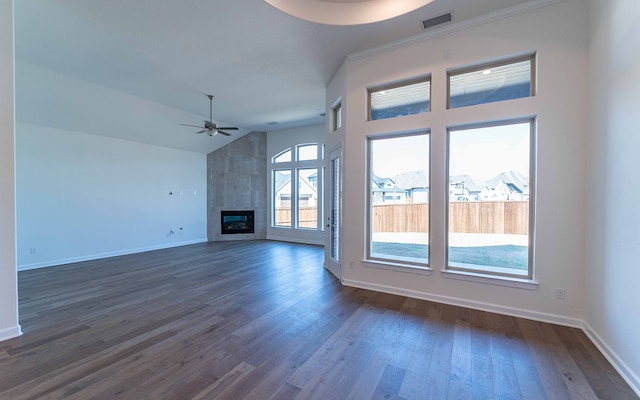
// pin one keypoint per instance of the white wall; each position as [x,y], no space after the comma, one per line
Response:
[50,98]
[82,196]
[89,184]
[278,141]
[558,33]
[8,278]
[613,215]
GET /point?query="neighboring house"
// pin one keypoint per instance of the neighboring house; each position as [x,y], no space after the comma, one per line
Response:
[307,192]
[385,191]
[415,184]
[467,188]
[511,185]
[507,186]
[407,187]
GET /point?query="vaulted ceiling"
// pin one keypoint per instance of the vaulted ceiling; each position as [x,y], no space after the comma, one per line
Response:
[267,69]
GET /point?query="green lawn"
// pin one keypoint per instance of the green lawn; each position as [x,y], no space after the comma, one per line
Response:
[507,256]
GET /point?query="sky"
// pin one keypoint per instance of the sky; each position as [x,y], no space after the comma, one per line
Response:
[396,155]
[486,152]
[479,152]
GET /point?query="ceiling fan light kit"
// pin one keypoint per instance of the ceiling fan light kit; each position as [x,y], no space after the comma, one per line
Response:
[210,127]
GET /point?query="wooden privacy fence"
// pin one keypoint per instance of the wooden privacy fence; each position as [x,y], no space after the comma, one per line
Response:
[400,218]
[500,217]
[307,217]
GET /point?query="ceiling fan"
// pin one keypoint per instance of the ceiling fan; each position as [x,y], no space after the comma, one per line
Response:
[209,126]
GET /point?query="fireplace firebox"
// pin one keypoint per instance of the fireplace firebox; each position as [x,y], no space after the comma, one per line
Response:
[236,222]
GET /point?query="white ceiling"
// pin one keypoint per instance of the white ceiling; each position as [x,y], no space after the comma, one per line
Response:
[262,65]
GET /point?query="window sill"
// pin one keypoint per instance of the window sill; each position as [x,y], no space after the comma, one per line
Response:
[519,283]
[393,266]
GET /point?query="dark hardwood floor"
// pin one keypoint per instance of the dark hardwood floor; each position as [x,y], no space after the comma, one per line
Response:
[264,320]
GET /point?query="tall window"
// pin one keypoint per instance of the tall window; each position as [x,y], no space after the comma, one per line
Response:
[281,189]
[337,117]
[295,179]
[307,197]
[490,198]
[399,199]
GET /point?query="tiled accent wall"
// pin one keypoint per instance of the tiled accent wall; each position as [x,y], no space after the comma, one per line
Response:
[237,180]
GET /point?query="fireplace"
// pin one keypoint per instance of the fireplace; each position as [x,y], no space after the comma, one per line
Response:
[233,222]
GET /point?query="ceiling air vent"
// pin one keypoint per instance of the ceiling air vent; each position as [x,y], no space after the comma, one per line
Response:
[431,22]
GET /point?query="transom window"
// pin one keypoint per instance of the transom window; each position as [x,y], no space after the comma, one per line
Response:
[306,152]
[406,98]
[488,83]
[284,156]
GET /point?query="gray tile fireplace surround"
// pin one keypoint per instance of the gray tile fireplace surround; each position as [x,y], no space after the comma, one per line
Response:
[237,180]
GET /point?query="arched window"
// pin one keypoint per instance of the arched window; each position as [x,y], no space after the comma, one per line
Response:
[296,187]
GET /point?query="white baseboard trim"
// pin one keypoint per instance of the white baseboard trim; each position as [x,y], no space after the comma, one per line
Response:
[295,240]
[476,305]
[53,263]
[618,363]
[10,333]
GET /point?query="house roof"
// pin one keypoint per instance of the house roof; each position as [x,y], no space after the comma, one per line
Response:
[378,185]
[515,180]
[412,180]
[471,184]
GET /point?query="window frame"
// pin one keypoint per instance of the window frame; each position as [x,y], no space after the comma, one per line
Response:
[384,262]
[293,166]
[274,193]
[531,57]
[532,199]
[299,197]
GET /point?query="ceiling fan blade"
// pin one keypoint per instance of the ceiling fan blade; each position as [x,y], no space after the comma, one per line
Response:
[223,132]
[228,128]
[193,126]
[202,131]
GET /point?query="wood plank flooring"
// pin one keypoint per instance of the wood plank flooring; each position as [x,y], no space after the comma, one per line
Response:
[264,320]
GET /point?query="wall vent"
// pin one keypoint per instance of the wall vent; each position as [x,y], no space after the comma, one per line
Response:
[431,22]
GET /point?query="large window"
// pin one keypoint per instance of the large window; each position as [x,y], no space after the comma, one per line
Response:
[490,198]
[399,199]
[295,187]
[407,98]
[485,176]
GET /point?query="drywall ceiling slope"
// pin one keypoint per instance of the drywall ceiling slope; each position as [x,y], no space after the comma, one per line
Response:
[262,65]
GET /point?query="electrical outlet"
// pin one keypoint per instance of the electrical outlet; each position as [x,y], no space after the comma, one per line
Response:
[560,295]
[33,251]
